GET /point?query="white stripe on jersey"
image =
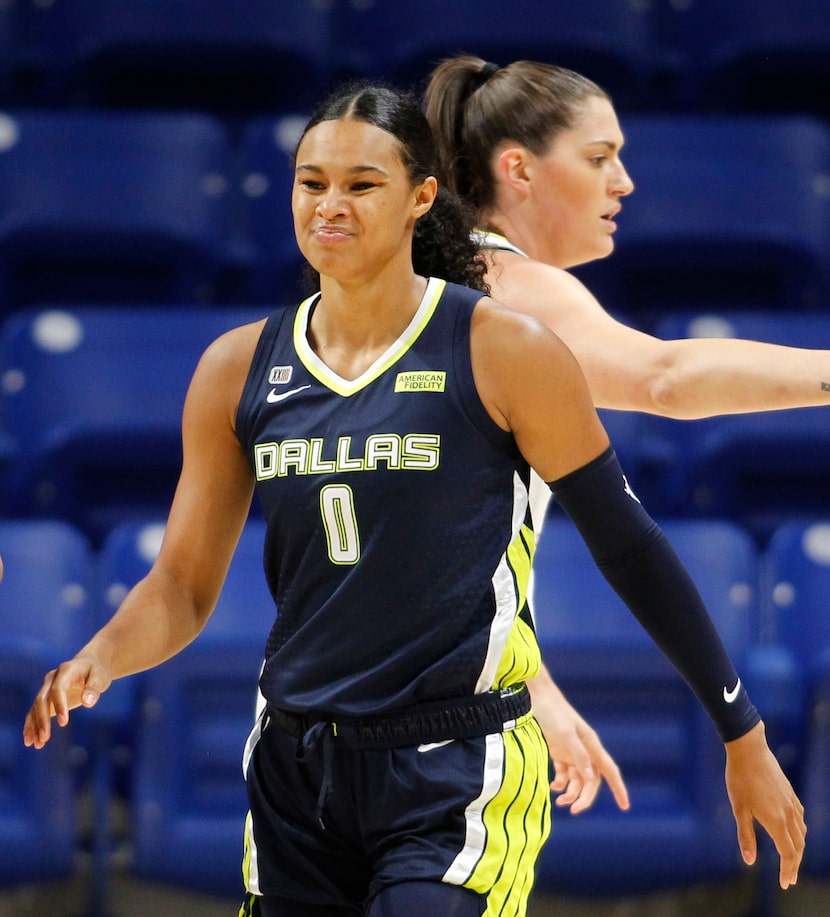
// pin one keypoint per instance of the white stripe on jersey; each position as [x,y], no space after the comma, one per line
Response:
[506,595]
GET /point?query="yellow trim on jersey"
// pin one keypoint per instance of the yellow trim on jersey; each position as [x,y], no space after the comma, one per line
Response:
[347,387]
[250,873]
[520,557]
[509,822]
[521,658]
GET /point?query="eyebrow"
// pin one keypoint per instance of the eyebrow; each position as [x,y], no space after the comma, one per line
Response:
[608,144]
[354,170]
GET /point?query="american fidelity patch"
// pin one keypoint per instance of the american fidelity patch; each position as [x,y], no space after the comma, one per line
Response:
[424,381]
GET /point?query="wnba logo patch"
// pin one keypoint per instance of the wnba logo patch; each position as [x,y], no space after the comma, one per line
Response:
[420,382]
[279,375]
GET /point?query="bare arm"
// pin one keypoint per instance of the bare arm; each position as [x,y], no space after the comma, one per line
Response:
[684,379]
[168,608]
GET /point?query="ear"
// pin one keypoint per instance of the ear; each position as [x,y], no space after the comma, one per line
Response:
[512,169]
[425,196]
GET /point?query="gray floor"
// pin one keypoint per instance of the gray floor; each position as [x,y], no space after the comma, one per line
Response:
[132,898]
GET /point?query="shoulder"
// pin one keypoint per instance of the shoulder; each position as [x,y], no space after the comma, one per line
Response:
[504,329]
[508,272]
[232,350]
[224,366]
[550,293]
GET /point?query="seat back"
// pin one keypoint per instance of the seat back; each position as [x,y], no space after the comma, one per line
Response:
[797,572]
[8,59]
[233,56]
[796,578]
[266,225]
[728,213]
[93,399]
[192,718]
[46,604]
[113,207]
[751,55]
[680,829]
[613,43]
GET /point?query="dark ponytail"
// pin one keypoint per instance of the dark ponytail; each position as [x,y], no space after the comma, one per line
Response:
[473,106]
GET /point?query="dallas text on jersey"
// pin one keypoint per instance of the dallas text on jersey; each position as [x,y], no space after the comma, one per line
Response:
[413,452]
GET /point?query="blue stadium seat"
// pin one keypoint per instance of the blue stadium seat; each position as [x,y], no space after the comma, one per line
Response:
[751,55]
[613,43]
[7,58]
[192,718]
[728,213]
[92,398]
[113,207]
[46,614]
[797,580]
[231,56]
[680,828]
[758,469]
[276,267]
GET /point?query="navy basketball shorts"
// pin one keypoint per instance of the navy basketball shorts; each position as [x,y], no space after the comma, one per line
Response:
[340,830]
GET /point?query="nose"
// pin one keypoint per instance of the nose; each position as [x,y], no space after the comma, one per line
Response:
[330,206]
[621,183]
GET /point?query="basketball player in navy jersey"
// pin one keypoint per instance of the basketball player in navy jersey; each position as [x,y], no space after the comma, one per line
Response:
[389,424]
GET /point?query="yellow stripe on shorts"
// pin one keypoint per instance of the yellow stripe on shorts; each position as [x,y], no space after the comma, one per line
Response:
[508,823]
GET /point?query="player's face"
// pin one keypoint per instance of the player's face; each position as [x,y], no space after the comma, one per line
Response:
[353,201]
[577,186]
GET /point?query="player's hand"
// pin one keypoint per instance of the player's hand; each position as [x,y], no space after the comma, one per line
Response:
[759,790]
[580,761]
[79,682]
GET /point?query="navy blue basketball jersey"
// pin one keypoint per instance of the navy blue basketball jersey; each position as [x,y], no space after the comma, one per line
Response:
[399,542]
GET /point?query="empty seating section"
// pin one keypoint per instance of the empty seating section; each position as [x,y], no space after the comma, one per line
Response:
[191,718]
[797,577]
[679,830]
[145,183]
[728,213]
[46,608]
[112,207]
[266,177]
[234,56]
[614,43]
[750,55]
[92,400]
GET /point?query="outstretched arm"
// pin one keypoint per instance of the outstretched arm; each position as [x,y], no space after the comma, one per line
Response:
[629,370]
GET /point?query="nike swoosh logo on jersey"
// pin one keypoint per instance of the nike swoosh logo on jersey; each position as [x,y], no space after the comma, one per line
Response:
[730,696]
[273,397]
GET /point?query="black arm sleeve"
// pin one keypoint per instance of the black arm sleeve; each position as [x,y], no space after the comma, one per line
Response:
[635,557]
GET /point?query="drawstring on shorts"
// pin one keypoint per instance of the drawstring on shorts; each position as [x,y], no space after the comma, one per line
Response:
[435,721]
[321,735]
